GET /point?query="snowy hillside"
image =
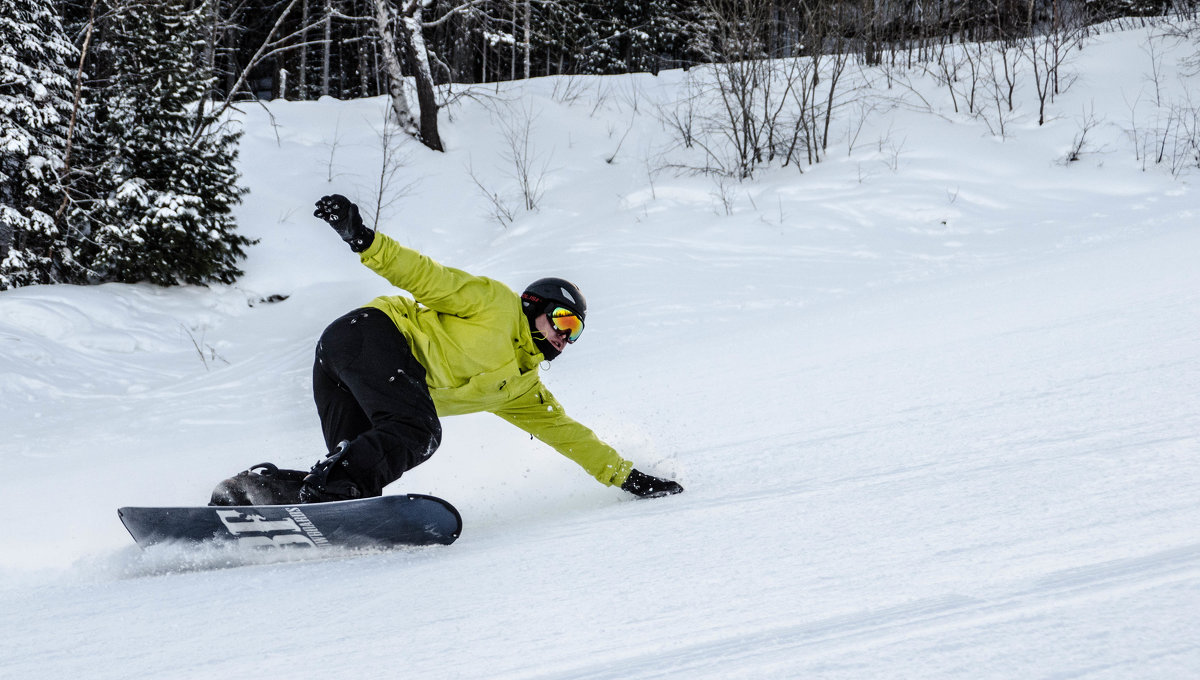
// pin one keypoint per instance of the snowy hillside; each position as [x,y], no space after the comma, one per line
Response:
[934,401]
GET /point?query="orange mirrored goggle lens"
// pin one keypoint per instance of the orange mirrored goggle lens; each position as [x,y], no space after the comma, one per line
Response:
[564,319]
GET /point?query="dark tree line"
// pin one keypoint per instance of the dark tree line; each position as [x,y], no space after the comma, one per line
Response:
[337,51]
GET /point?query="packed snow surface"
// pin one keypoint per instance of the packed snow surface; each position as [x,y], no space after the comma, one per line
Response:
[934,401]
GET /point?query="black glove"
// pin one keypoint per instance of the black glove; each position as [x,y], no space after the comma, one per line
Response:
[642,484]
[343,216]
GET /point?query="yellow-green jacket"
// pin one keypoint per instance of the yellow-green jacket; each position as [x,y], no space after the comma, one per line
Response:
[473,339]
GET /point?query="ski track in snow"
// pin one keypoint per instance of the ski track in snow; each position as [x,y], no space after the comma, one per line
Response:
[937,422]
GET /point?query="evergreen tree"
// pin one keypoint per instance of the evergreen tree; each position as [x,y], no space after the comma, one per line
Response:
[162,170]
[35,107]
[621,36]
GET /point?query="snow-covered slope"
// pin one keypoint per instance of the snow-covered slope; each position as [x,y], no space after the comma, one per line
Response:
[934,403]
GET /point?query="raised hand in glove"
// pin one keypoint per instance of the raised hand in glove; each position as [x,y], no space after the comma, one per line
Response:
[646,486]
[343,216]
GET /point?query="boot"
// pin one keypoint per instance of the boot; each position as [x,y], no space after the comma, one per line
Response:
[262,484]
[328,480]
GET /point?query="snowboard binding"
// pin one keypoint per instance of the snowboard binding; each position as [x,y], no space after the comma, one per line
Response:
[262,484]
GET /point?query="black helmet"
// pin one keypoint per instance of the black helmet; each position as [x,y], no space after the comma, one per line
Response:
[540,298]
[543,295]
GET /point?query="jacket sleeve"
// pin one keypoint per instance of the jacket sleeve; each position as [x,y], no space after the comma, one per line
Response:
[540,414]
[438,287]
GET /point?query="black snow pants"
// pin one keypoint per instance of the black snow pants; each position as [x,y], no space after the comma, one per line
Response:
[371,392]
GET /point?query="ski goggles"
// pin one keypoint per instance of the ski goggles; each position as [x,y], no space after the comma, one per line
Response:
[567,321]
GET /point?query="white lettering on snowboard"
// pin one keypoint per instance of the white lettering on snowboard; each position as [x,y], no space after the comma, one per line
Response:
[309,528]
[255,531]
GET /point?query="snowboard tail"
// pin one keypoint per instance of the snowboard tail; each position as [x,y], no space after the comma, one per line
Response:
[381,522]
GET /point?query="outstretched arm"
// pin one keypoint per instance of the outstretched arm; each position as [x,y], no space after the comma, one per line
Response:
[542,416]
[443,289]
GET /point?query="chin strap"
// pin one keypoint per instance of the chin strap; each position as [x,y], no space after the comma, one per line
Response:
[547,349]
[544,346]
[539,338]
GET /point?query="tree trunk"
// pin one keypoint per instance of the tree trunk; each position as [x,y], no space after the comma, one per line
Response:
[366,55]
[302,86]
[483,77]
[528,35]
[391,63]
[327,46]
[418,62]
[75,109]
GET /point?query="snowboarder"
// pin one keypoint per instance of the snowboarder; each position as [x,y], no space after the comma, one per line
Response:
[386,373]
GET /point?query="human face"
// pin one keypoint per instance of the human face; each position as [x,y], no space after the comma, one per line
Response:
[557,338]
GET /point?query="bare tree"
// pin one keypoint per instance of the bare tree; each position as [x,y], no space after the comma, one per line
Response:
[393,158]
[402,23]
[772,90]
[528,35]
[750,89]
[529,168]
[303,85]
[1000,81]
[384,19]
[1047,50]
[817,96]
[75,109]
[327,45]
[274,44]
[413,38]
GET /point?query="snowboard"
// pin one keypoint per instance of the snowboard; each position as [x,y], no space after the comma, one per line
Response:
[380,522]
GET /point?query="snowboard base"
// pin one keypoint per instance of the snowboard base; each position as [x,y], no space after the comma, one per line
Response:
[381,522]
